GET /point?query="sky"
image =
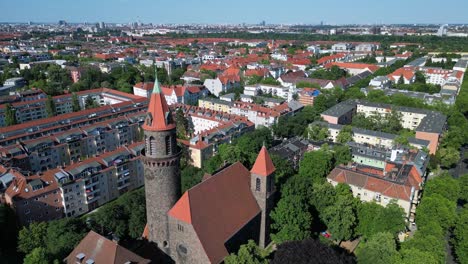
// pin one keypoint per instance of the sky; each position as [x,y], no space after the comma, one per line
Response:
[239,11]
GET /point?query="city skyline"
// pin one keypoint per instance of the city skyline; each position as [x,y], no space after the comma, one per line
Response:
[214,12]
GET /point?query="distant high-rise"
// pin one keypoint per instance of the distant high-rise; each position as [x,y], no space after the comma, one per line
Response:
[102,25]
[442,30]
[62,23]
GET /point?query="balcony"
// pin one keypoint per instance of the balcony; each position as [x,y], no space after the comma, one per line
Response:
[122,185]
[92,198]
[91,191]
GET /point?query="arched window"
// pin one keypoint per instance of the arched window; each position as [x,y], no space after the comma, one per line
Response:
[257,185]
[168,145]
[152,143]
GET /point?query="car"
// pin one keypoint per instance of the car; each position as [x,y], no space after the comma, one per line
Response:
[325,234]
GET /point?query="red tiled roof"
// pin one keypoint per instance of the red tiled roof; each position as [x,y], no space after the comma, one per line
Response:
[19,188]
[146,86]
[375,184]
[181,209]
[330,58]
[263,165]
[263,72]
[104,251]
[407,72]
[352,65]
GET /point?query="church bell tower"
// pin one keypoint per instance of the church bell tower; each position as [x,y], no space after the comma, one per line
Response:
[161,160]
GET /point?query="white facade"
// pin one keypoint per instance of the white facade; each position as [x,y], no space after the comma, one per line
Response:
[278,56]
[202,124]
[366,195]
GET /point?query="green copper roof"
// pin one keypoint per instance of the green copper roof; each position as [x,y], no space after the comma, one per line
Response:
[156,88]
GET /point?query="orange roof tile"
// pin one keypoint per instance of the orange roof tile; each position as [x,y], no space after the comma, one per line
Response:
[160,118]
[263,165]
[181,210]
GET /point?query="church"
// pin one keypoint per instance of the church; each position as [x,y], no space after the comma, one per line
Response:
[213,218]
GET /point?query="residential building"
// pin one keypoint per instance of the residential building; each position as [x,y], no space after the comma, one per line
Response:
[407,73]
[354,68]
[222,84]
[306,96]
[429,125]
[382,82]
[75,189]
[342,46]
[26,111]
[400,180]
[372,138]
[94,248]
[366,47]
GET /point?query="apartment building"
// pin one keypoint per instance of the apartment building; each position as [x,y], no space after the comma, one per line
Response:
[74,145]
[386,176]
[429,125]
[209,129]
[370,137]
[76,189]
[30,110]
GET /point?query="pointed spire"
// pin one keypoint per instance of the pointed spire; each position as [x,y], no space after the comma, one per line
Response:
[159,116]
[263,165]
[156,87]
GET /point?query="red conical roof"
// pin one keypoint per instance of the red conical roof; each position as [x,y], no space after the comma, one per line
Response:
[159,116]
[263,165]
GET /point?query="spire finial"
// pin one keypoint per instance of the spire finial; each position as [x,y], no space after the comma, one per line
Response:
[156,88]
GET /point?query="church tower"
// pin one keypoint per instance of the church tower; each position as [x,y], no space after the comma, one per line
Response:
[161,160]
[262,185]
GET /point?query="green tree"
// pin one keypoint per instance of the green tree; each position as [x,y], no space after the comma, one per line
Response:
[374,218]
[249,253]
[50,107]
[63,235]
[291,219]
[448,156]
[444,185]
[10,115]
[32,236]
[113,217]
[323,196]
[379,249]
[416,256]
[341,154]
[90,103]
[463,183]
[190,176]
[428,244]
[401,80]
[461,236]
[182,124]
[75,103]
[37,256]
[284,170]
[345,135]
[419,77]
[436,208]
[316,132]
[340,218]
[316,165]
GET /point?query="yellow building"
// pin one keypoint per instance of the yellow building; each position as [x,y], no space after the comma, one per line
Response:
[215,105]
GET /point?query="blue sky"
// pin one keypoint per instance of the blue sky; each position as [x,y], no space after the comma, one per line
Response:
[238,11]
